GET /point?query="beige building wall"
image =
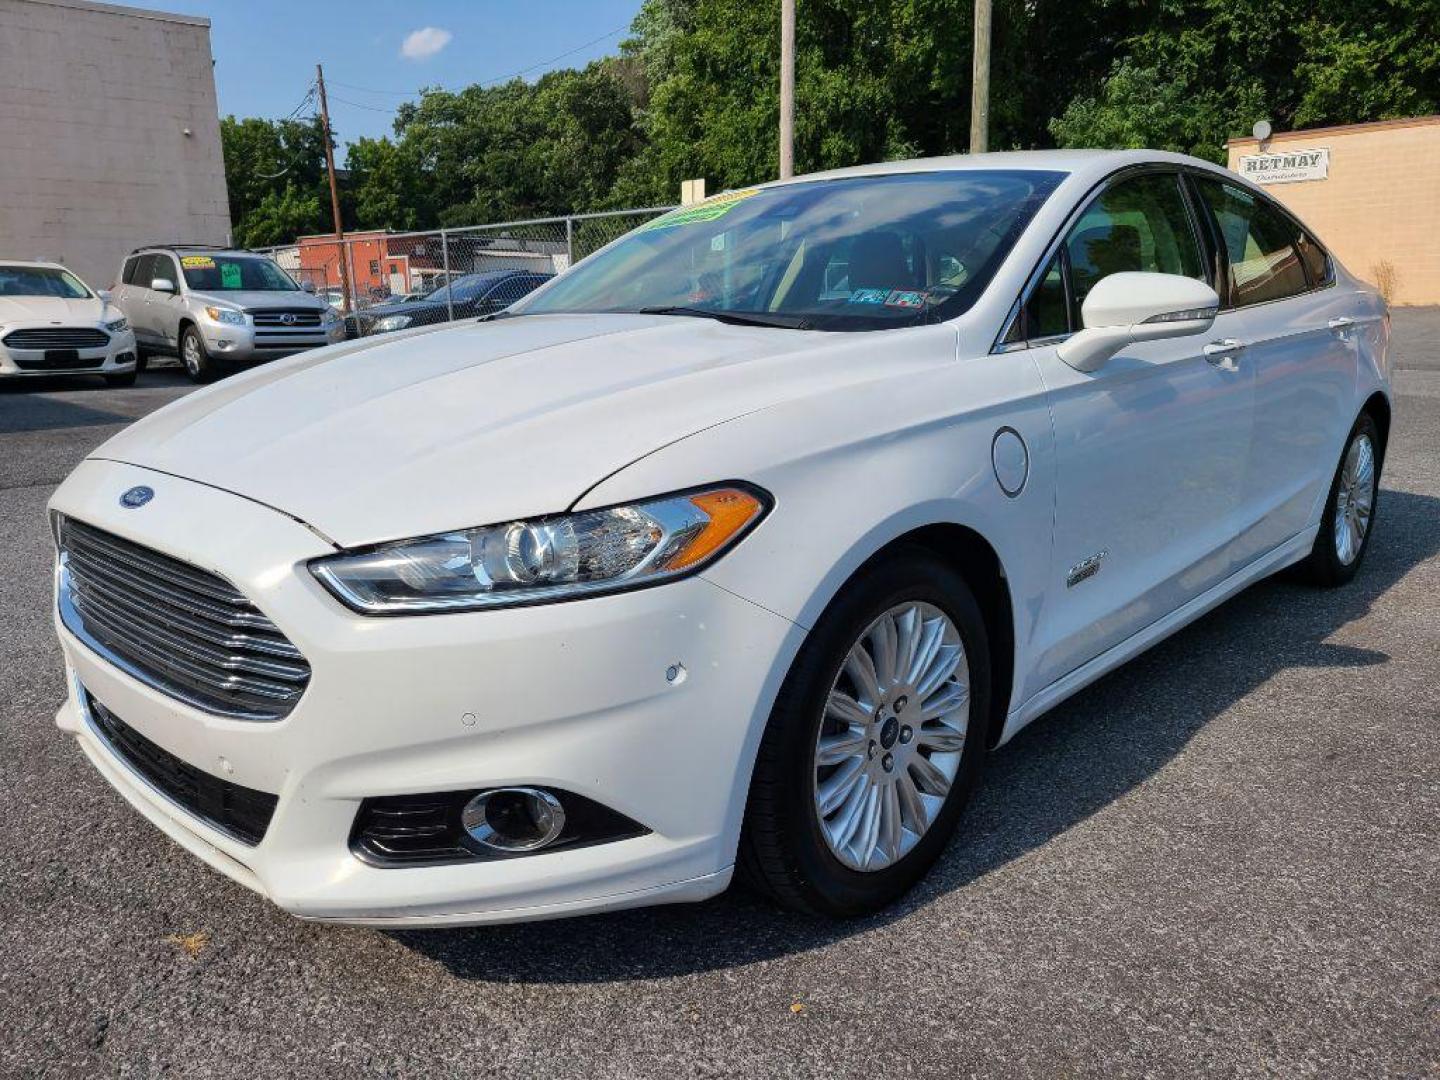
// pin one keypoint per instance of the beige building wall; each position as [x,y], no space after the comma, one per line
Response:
[1378,209]
[109,134]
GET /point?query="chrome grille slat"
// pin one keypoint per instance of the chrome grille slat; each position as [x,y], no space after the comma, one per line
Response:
[206,631]
[105,608]
[198,673]
[180,629]
[57,337]
[197,580]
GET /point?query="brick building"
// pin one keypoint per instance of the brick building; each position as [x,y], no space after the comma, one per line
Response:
[1370,191]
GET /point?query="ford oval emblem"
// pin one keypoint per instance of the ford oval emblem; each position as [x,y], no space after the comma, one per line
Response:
[137,497]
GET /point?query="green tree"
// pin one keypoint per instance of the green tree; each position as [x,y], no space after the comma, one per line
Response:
[1203,73]
[275,172]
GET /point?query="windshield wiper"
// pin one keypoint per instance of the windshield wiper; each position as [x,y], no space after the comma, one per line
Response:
[734,318]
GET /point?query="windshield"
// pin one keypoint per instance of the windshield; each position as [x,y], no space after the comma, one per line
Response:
[234,273]
[42,281]
[462,289]
[863,253]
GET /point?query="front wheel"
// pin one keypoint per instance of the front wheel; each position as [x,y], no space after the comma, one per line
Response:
[875,743]
[1349,514]
[197,360]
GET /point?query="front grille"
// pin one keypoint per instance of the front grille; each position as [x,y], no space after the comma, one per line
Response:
[173,626]
[276,317]
[240,812]
[58,337]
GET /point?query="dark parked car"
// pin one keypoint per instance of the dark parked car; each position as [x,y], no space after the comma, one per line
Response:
[467,297]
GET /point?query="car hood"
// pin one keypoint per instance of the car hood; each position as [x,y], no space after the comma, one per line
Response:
[431,430]
[30,309]
[379,311]
[259,298]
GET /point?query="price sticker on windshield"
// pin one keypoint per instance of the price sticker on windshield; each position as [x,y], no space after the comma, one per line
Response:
[708,210]
[230,275]
[197,262]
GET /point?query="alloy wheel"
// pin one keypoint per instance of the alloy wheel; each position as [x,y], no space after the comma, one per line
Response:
[1355,499]
[892,737]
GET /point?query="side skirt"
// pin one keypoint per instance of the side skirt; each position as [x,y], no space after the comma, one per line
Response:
[1287,554]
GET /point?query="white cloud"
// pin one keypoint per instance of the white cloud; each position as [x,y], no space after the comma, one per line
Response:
[425,42]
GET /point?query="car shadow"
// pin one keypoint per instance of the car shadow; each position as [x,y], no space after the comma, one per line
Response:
[50,403]
[1083,755]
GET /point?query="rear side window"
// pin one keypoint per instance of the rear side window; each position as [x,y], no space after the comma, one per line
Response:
[129,275]
[1137,224]
[1259,243]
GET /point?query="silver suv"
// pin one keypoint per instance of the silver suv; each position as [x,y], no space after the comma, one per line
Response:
[215,306]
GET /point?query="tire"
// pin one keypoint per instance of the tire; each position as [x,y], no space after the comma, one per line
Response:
[788,844]
[194,357]
[142,360]
[126,378]
[1337,554]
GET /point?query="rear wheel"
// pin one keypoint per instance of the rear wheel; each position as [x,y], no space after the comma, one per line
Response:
[197,360]
[875,743]
[1349,515]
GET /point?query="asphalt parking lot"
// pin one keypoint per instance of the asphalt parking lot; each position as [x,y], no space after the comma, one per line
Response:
[1223,858]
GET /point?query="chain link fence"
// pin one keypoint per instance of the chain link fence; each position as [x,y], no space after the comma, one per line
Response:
[384,281]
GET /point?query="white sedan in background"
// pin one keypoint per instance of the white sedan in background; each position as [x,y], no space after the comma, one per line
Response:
[52,323]
[740,545]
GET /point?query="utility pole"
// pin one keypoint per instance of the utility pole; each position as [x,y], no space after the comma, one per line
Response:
[787,89]
[980,83]
[334,193]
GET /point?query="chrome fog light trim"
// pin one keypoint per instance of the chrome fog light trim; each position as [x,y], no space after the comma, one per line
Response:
[514,819]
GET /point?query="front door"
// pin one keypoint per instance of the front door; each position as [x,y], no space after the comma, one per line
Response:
[1151,450]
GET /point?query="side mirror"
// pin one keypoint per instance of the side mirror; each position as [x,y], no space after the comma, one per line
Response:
[162,284]
[104,295]
[308,286]
[1136,306]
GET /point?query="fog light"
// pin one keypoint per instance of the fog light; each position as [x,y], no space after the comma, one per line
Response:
[513,819]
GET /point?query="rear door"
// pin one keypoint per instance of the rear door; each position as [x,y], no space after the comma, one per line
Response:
[1299,342]
[138,295]
[166,309]
[1151,449]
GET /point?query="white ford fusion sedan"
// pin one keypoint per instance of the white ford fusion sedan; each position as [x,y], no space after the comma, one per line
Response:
[737,546]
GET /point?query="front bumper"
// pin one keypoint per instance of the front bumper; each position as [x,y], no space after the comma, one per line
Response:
[115,358]
[572,696]
[248,343]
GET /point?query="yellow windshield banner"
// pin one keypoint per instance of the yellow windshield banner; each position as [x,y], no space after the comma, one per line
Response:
[197,262]
[708,210]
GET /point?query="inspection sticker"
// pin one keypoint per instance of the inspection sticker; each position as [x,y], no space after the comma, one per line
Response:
[905,299]
[197,262]
[869,296]
[708,210]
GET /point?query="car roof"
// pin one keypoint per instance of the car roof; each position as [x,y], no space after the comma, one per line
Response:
[205,248]
[37,264]
[1096,163]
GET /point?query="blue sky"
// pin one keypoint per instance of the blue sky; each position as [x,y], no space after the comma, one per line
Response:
[266,50]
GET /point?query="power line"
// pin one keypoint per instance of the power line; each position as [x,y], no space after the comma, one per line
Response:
[490,82]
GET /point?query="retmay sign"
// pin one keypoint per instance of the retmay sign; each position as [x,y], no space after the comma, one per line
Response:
[1286,167]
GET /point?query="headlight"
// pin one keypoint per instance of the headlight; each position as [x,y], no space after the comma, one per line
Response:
[546,559]
[329,316]
[226,315]
[118,326]
[391,322]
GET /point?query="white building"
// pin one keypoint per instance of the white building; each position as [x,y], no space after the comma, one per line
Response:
[109,134]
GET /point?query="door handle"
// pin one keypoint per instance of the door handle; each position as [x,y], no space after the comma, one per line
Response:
[1222,353]
[1341,324]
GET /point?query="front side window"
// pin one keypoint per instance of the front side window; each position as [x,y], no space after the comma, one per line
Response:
[41,281]
[1137,224]
[861,253]
[234,273]
[1259,244]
